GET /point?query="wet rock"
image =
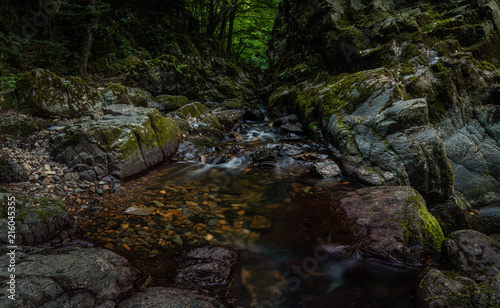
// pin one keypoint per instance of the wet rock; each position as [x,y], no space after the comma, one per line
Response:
[392,223]
[260,222]
[234,103]
[229,118]
[69,276]
[6,99]
[206,266]
[472,253]
[254,115]
[42,93]
[125,142]
[292,128]
[490,219]
[170,297]
[264,155]
[289,150]
[140,211]
[36,219]
[291,119]
[326,169]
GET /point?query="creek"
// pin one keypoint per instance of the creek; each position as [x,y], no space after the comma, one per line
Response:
[251,192]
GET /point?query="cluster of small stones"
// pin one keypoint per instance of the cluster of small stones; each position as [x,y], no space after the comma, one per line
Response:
[46,178]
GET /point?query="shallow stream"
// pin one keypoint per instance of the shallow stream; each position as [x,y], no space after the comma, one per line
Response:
[241,195]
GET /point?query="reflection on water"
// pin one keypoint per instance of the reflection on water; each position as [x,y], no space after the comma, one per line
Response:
[228,199]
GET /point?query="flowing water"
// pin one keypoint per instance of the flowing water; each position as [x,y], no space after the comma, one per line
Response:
[240,195]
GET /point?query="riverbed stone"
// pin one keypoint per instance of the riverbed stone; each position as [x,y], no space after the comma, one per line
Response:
[327,169]
[206,266]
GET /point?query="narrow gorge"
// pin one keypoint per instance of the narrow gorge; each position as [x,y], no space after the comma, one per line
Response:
[250,153]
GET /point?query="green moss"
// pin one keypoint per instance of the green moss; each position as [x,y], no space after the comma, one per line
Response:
[194,109]
[234,104]
[421,227]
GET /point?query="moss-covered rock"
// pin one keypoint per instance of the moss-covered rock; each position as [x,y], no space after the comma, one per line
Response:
[115,93]
[171,102]
[6,100]
[44,94]
[126,142]
[207,79]
[392,223]
[470,274]
[194,110]
[35,219]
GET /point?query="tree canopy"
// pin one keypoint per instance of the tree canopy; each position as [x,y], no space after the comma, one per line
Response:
[243,27]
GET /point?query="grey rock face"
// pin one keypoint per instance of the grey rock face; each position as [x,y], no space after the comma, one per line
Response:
[326,169]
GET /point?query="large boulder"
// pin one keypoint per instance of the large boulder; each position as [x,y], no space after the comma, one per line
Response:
[42,93]
[125,142]
[115,93]
[392,223]
[67,277]
[382,138]
[36,220]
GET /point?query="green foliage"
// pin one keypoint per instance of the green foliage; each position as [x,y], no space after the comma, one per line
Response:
[253,24]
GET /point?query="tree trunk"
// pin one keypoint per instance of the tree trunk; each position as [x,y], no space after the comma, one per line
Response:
[232,16]
[88,38]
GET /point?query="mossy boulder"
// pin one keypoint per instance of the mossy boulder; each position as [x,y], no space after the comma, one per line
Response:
[384,138]
[42,93]
[167,103]
[6,99]
[391,223]
[194,110]
[127,141]
[448,289]
[35,220]
[235,103]
[209,78]
[115,93]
